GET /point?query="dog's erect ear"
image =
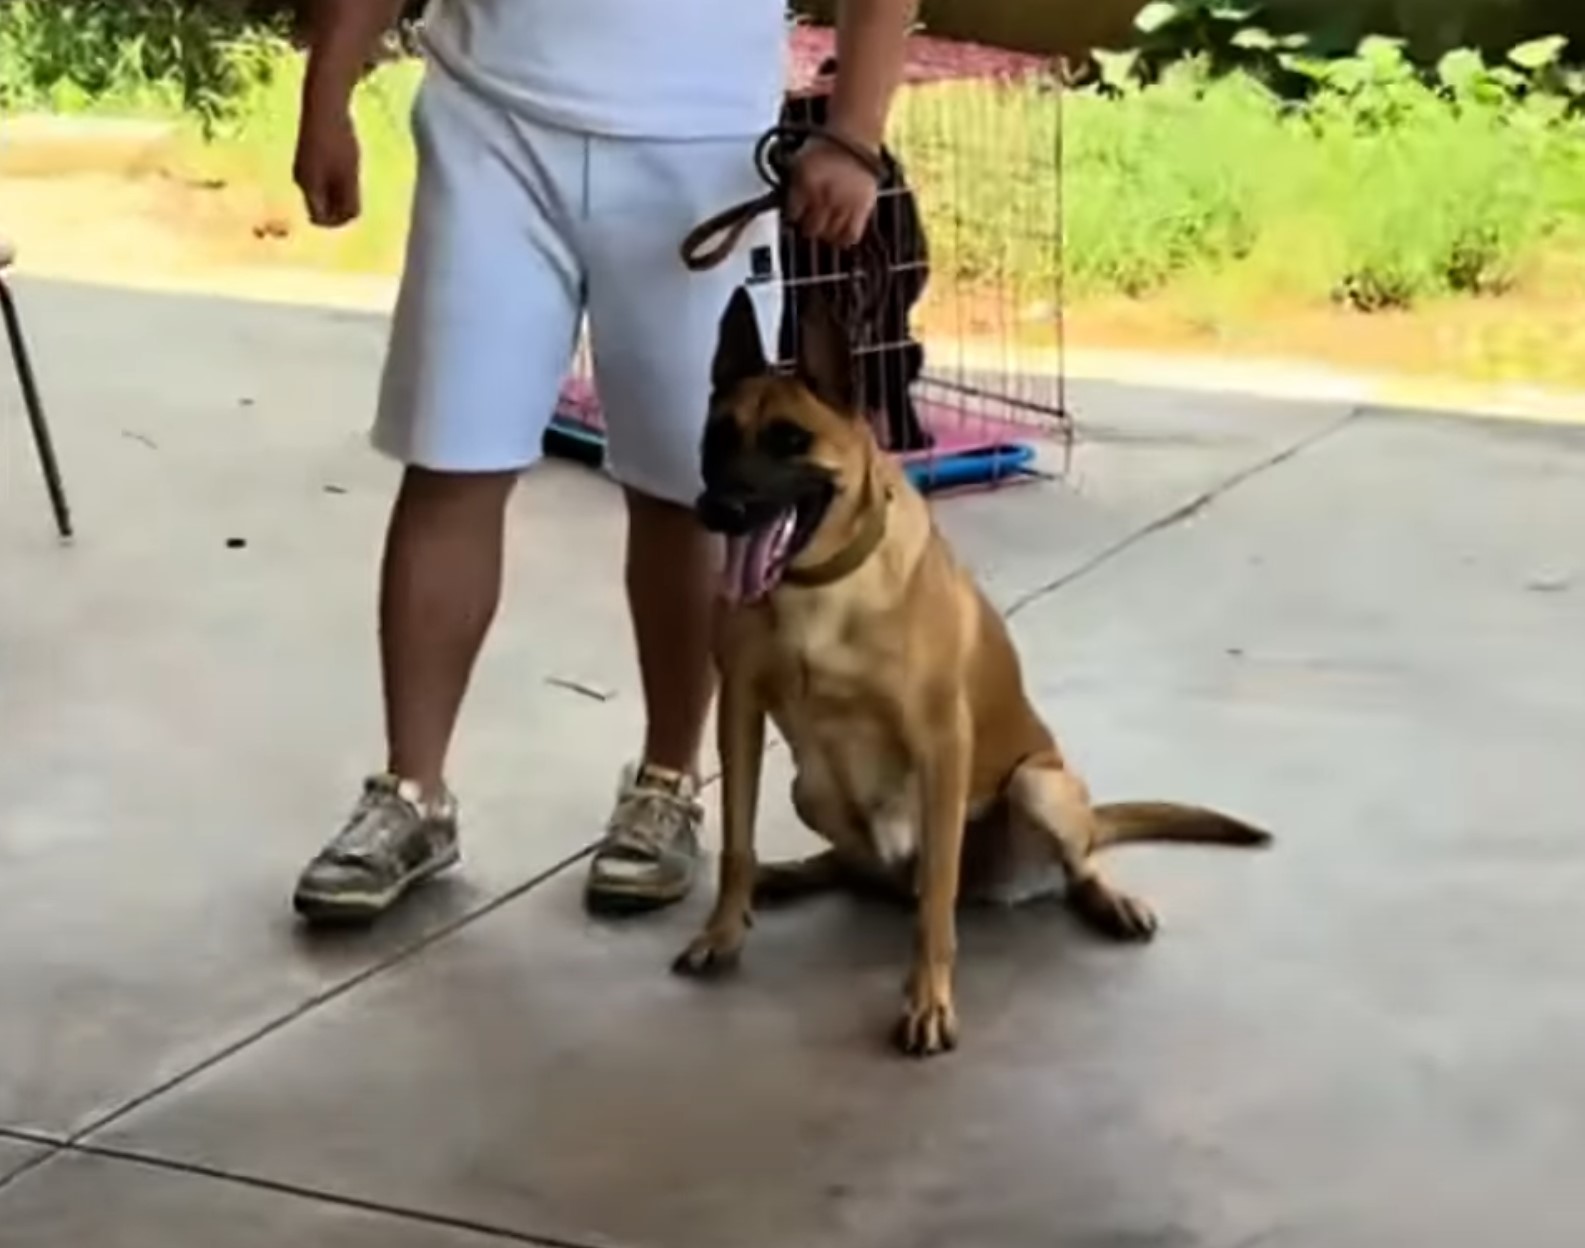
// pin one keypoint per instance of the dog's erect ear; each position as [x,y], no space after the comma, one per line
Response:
[739,353]
[824,356]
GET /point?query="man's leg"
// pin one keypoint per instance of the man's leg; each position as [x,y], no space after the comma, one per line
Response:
[482,338]
[440,584]
[671,589]
[654,327]
[651,850]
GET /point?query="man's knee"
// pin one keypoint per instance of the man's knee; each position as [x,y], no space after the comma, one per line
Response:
[669,535]
[643,505]
[458,495]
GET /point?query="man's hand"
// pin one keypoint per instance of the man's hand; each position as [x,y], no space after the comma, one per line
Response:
[342,35]
[328,165]
[832,195]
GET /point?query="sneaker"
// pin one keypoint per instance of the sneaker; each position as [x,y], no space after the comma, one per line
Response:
[650,855]
[392,841]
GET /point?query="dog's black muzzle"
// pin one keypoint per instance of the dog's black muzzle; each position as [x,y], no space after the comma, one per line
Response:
[746,488]
[733,514]
[754,494]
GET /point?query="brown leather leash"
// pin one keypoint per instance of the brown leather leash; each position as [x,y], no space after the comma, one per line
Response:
[710,242]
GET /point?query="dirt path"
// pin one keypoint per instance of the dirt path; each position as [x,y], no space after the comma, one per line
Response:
[159,232]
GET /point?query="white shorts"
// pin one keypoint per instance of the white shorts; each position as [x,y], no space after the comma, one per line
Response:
[520,231]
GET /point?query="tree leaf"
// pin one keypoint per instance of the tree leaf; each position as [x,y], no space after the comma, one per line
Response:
[1538,53]
[1254,39]
[1315,68]
[1460,69]
[1158,16]
[1117,68]
[1384,57]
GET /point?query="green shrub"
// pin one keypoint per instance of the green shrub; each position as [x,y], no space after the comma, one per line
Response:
[131,56]
[1162,181]
[1381,188]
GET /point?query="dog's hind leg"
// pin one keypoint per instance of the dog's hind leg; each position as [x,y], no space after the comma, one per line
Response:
[834,821]
[1048,798]
[777,883]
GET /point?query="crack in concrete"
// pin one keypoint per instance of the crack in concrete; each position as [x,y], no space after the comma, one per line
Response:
[76,1141]
[214,1174]
[55,1146]
[24,1135]
[152,1161]
[50,1147]
[1183,512]
[325,997]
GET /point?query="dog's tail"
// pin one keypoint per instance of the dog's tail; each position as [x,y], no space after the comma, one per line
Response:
[1123,823]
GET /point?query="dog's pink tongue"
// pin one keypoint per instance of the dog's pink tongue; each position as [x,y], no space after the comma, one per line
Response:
[754,561]
[736,570]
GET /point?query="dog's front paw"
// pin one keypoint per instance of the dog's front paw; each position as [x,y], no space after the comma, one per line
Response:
[928,1026]
[1113,913]
[716,951]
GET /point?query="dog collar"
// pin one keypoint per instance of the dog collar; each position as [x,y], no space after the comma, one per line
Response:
[849,559]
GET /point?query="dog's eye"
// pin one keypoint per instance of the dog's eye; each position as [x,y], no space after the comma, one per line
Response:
[785,439]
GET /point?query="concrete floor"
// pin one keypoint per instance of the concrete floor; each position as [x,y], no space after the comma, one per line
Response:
[1362,629]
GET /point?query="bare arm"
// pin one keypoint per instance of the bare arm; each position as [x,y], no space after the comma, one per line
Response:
[342,34]
[872,37]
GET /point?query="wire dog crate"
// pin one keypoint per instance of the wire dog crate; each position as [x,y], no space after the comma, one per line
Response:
[960,351]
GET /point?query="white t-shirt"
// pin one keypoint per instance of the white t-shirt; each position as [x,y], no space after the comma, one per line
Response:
[656,69]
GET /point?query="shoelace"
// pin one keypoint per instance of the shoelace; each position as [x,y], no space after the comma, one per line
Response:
[370,834]
[648,820]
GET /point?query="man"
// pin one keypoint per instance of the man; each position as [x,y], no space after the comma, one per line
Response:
[565,148]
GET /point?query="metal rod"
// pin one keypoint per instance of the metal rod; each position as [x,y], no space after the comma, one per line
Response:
[995,396]
[35,410]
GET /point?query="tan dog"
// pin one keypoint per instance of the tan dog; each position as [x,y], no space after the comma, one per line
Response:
[893,681]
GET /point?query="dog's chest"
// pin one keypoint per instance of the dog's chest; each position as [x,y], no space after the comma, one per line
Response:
[856,784]
[856,788]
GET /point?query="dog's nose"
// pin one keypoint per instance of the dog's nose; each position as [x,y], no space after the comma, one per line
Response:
[722,513]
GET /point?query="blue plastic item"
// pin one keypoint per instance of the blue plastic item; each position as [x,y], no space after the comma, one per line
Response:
[568,439]
[982,466]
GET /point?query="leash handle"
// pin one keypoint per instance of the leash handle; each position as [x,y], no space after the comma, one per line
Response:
[710,242]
